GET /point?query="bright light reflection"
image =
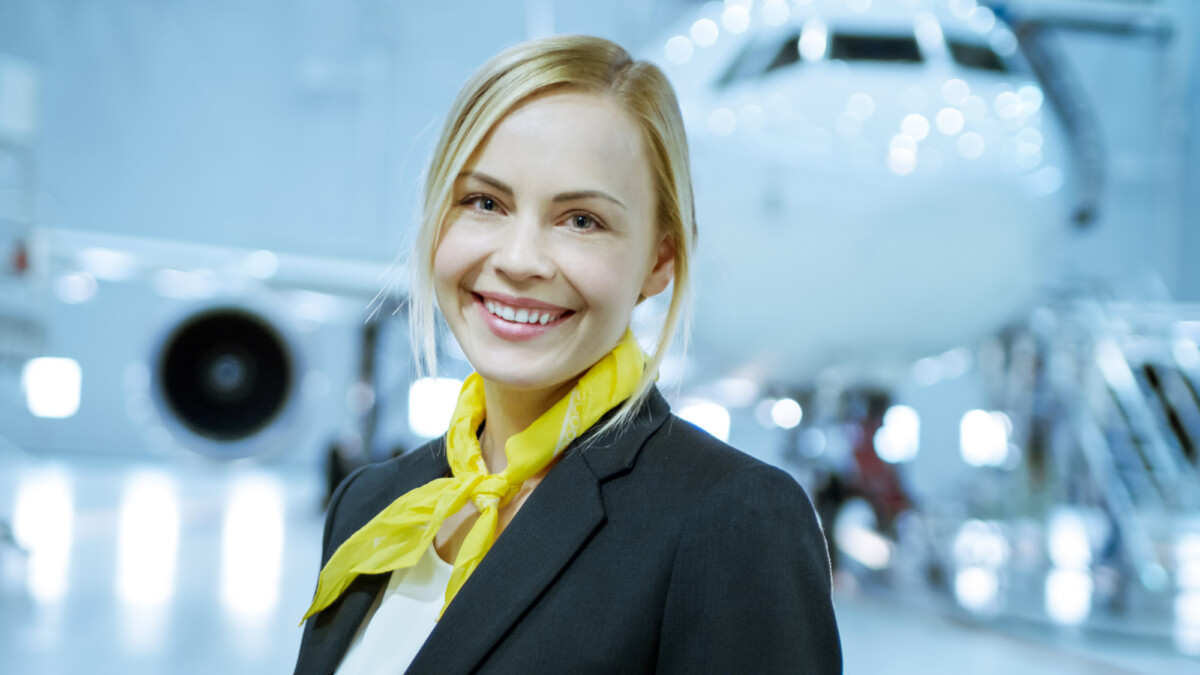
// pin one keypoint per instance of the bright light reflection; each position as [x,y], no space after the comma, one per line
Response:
[786,413]
[431,404]
[1187,622]
[1031,98]
[856,535]
[1068,596]
[981,20]
[949,121]
[976,588]
[956,362]
[752,117]
[974,108]
[956,91]
[147,539]
[711,417]
[981,543]
[902,161]
[678,50]
[962,8]
[916,126]
[52,386]
[1003,41]
[1029,156]
[722,121]
[1186,353]
[1187,561]
[927,371]
[262,264]
[181,285]
[75,288]
[737,392]
[814,37]
[861,105]
[983,438]
[735,19]
[898,440]
[1114,366]
[252,547]
[775,12]
[1008,105]
[971,145]
[929,32]
[705,32]
[108,264]
[903,142]
[1031,136]
[43,521]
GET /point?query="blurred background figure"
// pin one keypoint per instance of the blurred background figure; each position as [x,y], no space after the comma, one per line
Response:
[945,279]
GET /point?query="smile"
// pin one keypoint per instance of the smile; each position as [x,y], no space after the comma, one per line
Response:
[519,318]
[521,315]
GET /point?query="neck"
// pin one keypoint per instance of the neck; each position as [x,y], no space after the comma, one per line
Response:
[511,411]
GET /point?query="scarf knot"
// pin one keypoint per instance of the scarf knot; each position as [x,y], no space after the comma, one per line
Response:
[493,491]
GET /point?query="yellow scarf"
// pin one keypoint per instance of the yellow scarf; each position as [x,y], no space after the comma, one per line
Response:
[398,536]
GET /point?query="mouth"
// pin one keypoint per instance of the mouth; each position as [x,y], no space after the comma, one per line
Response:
[520,313]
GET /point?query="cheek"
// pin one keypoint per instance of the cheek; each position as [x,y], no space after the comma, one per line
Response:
[449,271]
[612,286]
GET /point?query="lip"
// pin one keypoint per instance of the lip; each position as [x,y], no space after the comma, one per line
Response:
[519,303]
[517,332]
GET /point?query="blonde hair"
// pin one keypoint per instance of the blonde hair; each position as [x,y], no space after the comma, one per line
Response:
[562,63]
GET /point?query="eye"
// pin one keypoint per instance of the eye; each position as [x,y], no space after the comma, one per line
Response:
[481,203]
[583,222]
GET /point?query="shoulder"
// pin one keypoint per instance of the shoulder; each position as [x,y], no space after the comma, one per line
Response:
[702,462]
[750,587]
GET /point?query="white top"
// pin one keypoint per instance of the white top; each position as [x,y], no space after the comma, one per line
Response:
[401,619]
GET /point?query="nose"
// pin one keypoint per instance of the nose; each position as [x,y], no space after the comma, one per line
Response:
[523,252]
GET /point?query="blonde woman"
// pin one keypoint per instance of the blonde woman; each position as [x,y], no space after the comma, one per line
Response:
[567,522]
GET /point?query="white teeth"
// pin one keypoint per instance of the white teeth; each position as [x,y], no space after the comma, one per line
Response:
[517,315]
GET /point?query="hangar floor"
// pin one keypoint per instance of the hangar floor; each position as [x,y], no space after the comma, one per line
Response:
[206,568]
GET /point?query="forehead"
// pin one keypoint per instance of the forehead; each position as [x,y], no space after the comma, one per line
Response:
[567,141]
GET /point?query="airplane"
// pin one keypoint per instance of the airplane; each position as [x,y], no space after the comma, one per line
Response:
[876,182]
[911,204]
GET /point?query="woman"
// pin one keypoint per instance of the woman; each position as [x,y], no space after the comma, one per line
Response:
[625,540]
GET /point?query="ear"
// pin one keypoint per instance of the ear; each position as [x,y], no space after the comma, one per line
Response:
[663,270]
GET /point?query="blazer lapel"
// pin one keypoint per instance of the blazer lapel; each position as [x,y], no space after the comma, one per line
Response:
[333,629]
[557,520]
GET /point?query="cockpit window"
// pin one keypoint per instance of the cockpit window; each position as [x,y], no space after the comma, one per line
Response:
[761,57]
[789,53]
[979,57]
[893,48]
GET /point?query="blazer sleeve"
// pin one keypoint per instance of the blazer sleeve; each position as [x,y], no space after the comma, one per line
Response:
[750,588]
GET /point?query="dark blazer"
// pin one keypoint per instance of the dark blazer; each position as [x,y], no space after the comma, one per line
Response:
[655,548]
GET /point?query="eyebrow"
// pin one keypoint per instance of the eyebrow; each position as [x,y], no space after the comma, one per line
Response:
[561,197]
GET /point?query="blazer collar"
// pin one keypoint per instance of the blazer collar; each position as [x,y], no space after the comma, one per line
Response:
[558,518]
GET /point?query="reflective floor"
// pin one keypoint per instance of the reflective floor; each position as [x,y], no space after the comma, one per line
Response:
[206,568]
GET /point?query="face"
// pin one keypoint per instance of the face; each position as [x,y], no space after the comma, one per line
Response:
[549,242]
